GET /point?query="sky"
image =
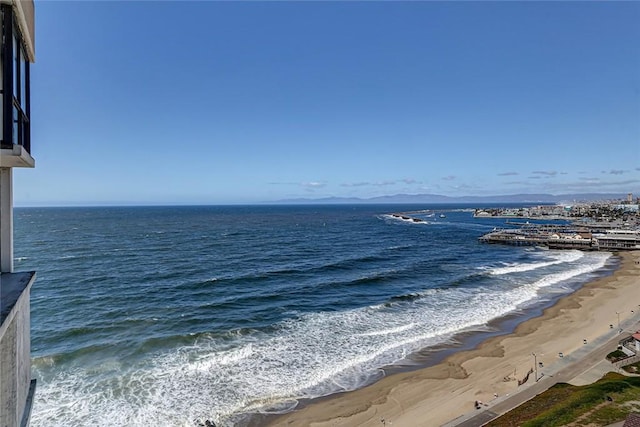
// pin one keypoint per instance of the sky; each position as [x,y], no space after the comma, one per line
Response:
[159,102]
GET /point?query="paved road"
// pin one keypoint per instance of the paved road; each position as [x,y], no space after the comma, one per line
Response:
[572,367]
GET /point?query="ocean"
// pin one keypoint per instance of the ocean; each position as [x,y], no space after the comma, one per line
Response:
[176,315]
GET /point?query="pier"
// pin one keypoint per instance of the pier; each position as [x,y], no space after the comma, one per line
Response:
[515,237]
[565,238]
[579,234]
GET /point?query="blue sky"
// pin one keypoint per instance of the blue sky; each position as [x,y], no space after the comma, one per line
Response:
[225,102]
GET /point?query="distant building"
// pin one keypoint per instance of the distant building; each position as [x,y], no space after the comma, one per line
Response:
[17,52]
[636,341]
[630,198]
[631,207]
[618,240]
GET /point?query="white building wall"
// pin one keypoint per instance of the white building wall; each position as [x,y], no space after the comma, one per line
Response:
[6,220]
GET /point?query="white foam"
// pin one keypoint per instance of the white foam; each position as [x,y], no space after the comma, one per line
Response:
[593,262]
[311,356]
[219,377]
[221,359]
[407,219]
[558,258]
[387,331]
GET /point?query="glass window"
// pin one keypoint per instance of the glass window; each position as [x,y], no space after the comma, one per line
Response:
[14,123]
[23,82]
[25,133]
[16,127]
[16,66]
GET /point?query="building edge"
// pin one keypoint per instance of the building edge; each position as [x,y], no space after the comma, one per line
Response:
[17,388]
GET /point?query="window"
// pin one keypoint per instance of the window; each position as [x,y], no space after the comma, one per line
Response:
[14,100]
[16,127]
[23,81]
[16,69]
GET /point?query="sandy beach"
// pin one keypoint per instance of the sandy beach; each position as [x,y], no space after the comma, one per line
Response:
[439,394]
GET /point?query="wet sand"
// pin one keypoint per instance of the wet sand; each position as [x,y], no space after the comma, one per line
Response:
[441,393]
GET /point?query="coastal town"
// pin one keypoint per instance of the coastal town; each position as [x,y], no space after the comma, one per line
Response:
[609,225]
[605,225]
[589,340]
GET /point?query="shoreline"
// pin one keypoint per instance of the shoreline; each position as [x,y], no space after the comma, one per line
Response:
[440,393]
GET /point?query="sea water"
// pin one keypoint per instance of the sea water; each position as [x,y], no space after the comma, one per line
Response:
[176,315]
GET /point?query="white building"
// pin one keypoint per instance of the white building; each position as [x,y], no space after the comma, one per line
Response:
[618,240]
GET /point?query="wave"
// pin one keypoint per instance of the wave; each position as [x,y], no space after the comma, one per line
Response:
[370,278]
[236,355]
[594,262]
[339,265]
[407,297]
[220,378]
[405,219]
[400,247]
[267,324]
[560,258]
[388,331]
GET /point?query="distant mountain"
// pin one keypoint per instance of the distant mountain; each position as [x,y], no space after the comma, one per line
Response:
[438,198]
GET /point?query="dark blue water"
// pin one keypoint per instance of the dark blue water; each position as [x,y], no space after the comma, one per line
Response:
[171,315]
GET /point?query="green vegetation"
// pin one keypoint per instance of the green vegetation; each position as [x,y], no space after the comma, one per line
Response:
[614,356]
[607,401]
